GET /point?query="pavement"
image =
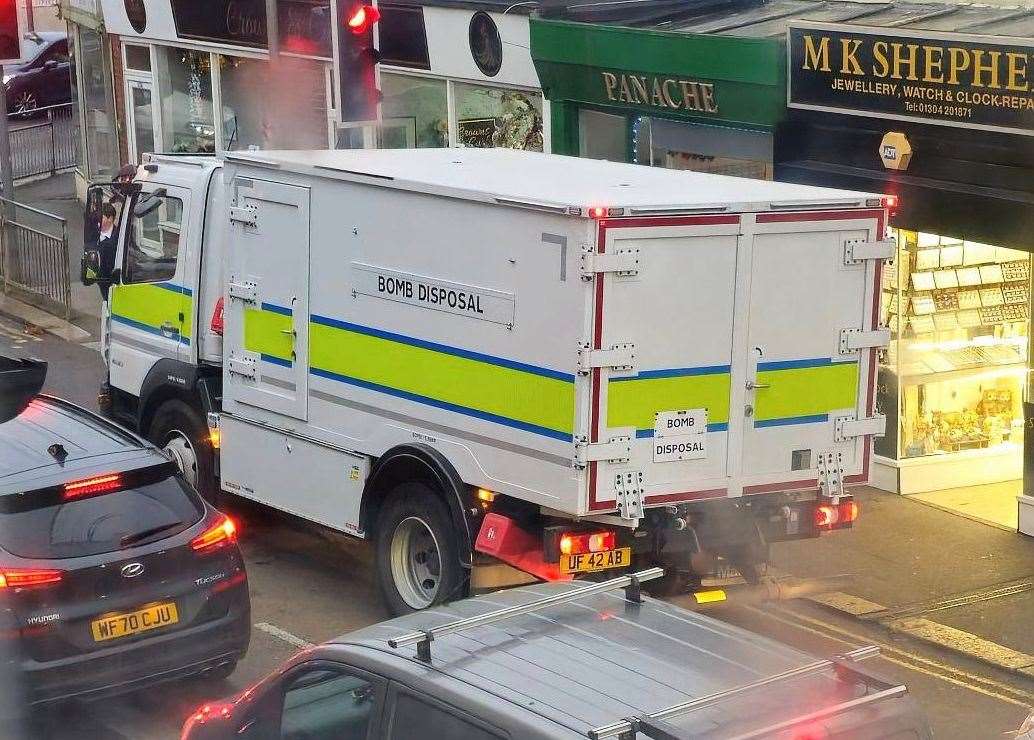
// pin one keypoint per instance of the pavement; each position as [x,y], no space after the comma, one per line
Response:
[946,599]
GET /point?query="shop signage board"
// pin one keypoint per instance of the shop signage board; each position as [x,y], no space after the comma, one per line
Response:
[935,77]
[304,25]
[655,91]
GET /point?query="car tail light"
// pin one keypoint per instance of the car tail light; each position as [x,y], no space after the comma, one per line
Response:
[220,534]
[89,486]
[574,543]
[28,577]
[217,323]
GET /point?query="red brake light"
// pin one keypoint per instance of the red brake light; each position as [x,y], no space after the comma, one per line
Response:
[890,202]
[598,212]
[847,511]
[573,543]
[26,577]
[362,18]
[223,532]
[97,484]
[217,318]
[826,516]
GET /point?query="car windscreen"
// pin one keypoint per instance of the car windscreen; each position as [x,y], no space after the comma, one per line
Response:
[55,526]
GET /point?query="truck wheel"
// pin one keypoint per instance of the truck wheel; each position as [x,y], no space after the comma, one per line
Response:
[179,430]
[418,565]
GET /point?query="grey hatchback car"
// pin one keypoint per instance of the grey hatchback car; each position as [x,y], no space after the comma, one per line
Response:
[115,574]
[563,661]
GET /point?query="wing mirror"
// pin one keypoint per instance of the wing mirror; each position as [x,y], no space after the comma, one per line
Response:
[148,202]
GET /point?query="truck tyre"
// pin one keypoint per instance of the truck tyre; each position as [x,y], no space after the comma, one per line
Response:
[179,429]
[418,564]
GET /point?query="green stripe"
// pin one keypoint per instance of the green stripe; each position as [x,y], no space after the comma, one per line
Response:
[482,386]
[264,332]
[634,403]
[153,306]
[806,391]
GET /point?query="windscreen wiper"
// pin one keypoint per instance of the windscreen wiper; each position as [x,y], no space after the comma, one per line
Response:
[132,539]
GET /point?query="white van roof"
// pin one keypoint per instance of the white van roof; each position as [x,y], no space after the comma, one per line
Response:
[551,181]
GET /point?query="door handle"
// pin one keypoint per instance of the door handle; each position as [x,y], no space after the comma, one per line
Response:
[752,386]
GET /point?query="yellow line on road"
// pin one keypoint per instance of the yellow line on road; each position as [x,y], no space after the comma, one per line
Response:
[906,660]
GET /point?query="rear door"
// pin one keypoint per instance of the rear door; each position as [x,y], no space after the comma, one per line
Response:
[805,392]
[674,320]
[267,302]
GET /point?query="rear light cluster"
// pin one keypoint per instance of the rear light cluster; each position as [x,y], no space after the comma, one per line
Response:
[220,534]
[575,543]
[90,486]
[836,516]
[28,577]
[218,322]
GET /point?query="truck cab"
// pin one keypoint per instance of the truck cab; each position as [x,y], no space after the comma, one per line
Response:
[163,354]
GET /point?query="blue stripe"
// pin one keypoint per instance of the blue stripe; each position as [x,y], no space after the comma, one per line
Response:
[277,361]
[514,423]
[276,309]
[788,421]
[435,347]
[181,289]
[795,364]
[676,372]
[716,427]
[147,328]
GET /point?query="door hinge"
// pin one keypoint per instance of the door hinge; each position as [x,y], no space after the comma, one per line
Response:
[246,291]
[856,339]
[624,262]
[848,427]
[617,450]
[244,215]
[629,490]
[244,366]
[618,357]
[831,474]
[857,251]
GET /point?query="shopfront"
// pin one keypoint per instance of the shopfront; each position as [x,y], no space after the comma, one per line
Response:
[196,77]
[945,122]
[93,101]
[675,99]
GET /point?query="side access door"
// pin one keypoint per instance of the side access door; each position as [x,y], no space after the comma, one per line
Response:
[267,297]
[811,343]
[150,301]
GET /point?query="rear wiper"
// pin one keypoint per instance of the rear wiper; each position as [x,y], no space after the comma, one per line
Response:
[131,539]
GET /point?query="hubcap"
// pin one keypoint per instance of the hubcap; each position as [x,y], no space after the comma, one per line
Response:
[416,562]
[26,102]
[183,453]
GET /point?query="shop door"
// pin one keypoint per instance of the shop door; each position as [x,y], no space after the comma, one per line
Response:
[799,383]
[141,119]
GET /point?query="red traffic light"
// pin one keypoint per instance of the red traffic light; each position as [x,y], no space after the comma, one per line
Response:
[362,18]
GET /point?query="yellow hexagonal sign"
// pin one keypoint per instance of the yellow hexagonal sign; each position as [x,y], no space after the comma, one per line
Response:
[895,151]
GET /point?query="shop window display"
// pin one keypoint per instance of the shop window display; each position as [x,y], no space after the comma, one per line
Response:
[953,377]
[185,81]
[414,112]
[498,117]
[98,107]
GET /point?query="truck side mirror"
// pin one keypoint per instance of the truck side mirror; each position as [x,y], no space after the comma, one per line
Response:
[148,202]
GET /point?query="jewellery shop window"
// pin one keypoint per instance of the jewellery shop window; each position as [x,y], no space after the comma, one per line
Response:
[953,376]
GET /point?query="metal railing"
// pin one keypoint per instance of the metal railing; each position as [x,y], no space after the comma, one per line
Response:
[34,257]
[43,142]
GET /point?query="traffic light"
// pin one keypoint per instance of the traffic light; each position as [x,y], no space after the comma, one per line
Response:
[357,57]
[11,30]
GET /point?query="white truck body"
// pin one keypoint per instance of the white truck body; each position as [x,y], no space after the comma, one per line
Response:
[379,298]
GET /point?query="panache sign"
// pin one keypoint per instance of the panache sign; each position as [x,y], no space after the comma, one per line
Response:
[944,78]
[659,92]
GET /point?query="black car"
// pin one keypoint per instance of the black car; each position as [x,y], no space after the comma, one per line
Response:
[43,79]
[115,574]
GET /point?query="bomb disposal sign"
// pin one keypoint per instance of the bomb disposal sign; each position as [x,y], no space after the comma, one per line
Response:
[680,435]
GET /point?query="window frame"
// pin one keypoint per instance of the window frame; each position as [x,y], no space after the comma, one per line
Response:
[127,226]
[271,706]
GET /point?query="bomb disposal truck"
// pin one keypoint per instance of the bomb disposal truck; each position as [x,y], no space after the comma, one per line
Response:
[487,356]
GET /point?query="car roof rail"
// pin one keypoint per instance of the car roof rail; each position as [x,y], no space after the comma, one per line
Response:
[424,638]
[20,381]
[654,725]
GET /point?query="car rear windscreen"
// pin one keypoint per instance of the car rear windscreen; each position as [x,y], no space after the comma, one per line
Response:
[99,524]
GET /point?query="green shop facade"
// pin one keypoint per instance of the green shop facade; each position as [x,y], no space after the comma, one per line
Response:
[708,103]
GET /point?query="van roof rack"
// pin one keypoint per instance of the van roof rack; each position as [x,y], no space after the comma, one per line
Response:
[424,638]
[654,725]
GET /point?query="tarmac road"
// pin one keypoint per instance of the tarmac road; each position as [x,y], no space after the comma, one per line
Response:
[309,585]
